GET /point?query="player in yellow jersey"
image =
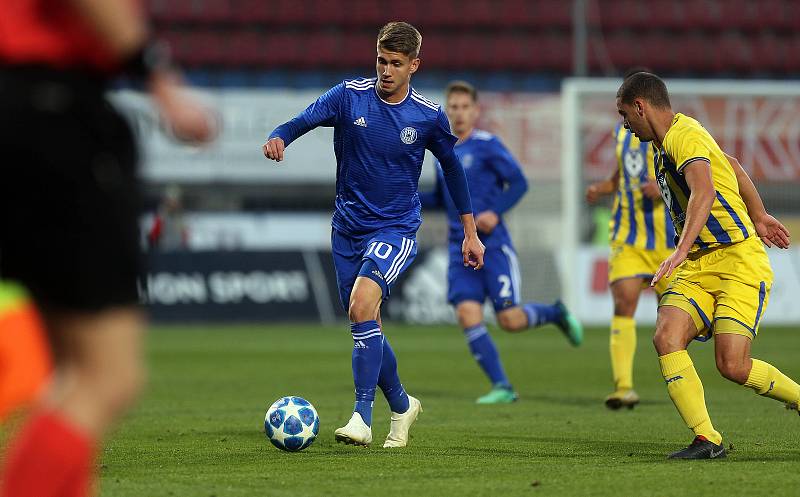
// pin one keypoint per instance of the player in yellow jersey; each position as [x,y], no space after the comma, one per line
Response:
[723,275]
[641,236]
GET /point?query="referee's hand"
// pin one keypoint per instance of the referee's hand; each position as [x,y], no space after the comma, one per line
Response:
[273,149]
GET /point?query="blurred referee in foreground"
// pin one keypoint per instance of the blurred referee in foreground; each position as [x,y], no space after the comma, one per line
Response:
[69,209]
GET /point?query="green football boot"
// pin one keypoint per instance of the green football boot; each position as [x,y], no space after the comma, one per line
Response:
[498,395]
[569,325]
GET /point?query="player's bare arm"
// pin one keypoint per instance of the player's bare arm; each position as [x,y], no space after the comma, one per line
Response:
[701,198]
[472,248]
[600,189]
[771,231]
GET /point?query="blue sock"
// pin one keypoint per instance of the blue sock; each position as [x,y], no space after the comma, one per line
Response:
[539,314]
[484,351]
[389,381]
[367,355]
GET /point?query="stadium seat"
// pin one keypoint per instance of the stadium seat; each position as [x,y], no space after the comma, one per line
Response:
[774,14]
[551,14]
[769,55]
[479,13]
[514,13]
[620,50]
[246,48]
[737,14]
[699,14]
[282,50]
[291,13]
[212,11]
[322,49]
[327,12]
[622,14]
[556,52]
[696,55]
[365,14]
[358,49]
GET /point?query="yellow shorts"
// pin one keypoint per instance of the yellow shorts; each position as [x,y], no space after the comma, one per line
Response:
[724,290]
[627,261]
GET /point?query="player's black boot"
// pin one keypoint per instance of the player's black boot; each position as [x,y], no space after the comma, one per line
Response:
[700,448]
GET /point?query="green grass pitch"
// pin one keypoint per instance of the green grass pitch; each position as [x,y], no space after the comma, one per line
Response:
[198,430]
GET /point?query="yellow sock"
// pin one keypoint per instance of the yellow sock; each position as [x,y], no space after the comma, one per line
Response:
[686,392]
[623,348]
[768,381]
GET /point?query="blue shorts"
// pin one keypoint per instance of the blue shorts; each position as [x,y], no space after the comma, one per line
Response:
[389,254]
[499,279]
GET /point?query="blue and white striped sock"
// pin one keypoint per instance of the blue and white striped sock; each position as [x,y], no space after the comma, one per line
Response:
[540,314]
[367,357]
[483,350]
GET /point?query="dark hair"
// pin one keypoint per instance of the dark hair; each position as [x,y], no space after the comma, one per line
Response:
[647,86]
[400,37]
[461,87]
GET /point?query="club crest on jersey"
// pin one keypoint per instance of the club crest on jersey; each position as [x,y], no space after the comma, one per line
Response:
[408,135]
[634,162]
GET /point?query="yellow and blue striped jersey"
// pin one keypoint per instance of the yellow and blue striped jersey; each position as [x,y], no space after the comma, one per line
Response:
[687,141]
[637,220]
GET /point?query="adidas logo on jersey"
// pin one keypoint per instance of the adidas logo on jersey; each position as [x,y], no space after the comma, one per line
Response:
[360,122]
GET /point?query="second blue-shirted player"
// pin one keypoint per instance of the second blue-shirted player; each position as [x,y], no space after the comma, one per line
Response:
[496,184]
[382,128]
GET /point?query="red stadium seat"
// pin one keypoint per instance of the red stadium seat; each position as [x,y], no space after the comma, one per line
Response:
[551,14]
[512,52]
[365,14]
[696,55]
[322,50]
[700,14]
[212,11]
[734,53]
[774,14]
[666,14]
[435,50]
[769,54]
[621,14]
[290,12]
[283,49]
[555,52]
[327,12]
[246,48]
[358,49]
[513,13]
[793,47]
[479,13]
[620,50]
[737,14]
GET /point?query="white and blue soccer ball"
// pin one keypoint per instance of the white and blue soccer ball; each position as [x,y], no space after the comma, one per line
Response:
[291,423]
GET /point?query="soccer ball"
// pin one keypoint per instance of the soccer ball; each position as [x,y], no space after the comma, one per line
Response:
[291,423]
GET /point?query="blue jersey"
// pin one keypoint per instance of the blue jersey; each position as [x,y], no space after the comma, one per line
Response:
[379,149]
[495,181]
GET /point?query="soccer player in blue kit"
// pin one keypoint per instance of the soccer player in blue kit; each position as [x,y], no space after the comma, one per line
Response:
[382,128]
[496,184]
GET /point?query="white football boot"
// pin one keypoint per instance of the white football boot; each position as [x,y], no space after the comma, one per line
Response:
[398,430]
[355,432]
